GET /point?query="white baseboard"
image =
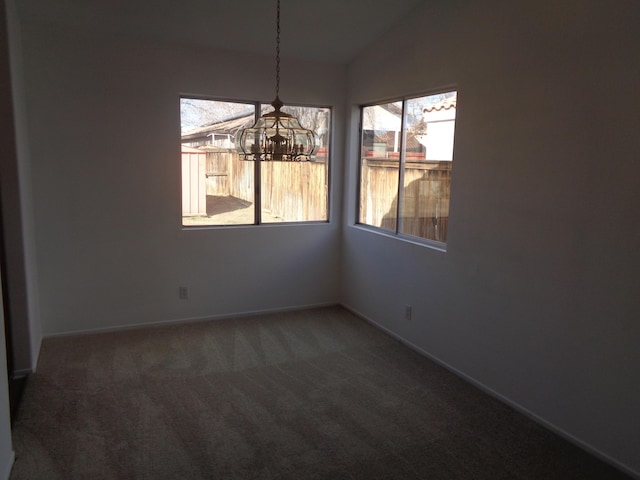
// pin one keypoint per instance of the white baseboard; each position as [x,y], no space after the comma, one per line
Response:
[541,421]
[208,318]
[24,372]
[7,468]
[35,356]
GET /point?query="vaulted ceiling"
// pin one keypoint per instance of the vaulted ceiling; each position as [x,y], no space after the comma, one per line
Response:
[319,30]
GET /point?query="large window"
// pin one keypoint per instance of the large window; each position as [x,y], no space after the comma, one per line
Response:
[405,167]
[219,188]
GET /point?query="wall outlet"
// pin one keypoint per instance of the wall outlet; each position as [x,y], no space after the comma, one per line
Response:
[183,293]
[407,312]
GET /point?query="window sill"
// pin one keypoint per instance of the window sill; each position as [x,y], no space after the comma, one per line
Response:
[422,242]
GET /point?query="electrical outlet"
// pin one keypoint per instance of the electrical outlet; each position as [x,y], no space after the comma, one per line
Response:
[183,293]
[407,312]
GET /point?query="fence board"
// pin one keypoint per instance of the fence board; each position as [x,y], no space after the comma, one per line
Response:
[425,209]
[193,184]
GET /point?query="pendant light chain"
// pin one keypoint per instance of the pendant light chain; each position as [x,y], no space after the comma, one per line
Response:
[278,51]
[276,135]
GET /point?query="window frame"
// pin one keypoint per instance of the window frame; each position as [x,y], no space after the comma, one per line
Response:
[257,170]
[397,233]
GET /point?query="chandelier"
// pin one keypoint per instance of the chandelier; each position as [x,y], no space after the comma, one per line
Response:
[276,135]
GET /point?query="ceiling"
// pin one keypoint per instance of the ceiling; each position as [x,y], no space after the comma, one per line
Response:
[319,30]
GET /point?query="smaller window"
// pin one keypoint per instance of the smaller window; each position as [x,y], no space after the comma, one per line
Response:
[405,165]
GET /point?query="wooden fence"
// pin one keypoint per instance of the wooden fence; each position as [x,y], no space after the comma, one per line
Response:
[425,206]
[227,176]
[194,200]
[292,191]
[297,191]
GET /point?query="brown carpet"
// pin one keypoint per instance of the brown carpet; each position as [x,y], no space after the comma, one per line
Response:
[315,394]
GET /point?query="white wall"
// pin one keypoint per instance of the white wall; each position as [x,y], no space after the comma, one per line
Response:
[103,119]
[537,295]
[8,141]
[17,212]
[6,447]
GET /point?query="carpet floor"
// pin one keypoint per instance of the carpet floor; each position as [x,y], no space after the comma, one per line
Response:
[314,394]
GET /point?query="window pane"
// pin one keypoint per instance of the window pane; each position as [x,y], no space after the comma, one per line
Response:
[217,187]
[430,125]
[298,191]
[379,166]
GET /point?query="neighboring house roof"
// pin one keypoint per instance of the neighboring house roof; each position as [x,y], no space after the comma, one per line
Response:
[187,149]
[228,126]
[446,104]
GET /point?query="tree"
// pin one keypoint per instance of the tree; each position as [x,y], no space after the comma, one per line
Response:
[196,112]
